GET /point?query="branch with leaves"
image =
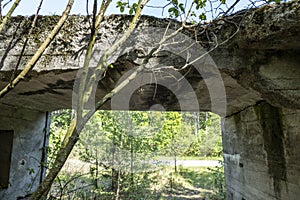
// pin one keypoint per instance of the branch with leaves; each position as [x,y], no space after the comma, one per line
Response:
[74,130]
[79,120]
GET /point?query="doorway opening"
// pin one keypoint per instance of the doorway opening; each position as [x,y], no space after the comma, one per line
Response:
[131,154]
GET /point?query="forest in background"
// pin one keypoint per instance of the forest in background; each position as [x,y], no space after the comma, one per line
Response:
[121,154]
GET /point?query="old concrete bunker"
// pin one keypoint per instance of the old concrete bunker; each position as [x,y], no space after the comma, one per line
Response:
[254,86]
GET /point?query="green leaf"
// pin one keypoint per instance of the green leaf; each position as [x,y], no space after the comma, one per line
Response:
[181,6]
[131,11]
[134,6]
[202,16]
[201,4]
[173,12]
[175,2]
[193,14]
[119,4]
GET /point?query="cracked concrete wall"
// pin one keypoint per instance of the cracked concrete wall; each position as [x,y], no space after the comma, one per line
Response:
[261,153]
[29,131]
[261,63]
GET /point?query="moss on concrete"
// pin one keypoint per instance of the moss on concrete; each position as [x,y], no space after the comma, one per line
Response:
[271,123]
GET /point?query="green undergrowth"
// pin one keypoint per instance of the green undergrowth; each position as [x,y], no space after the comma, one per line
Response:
[163,183]
[188,158]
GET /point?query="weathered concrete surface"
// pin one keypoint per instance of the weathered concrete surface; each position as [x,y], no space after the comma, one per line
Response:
[259,66]
[261,151]
[259,62]
[29,128]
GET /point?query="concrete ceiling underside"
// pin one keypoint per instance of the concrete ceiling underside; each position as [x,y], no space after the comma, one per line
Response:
[257,59]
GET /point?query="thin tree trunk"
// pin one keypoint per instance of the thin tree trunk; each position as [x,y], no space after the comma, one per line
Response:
[0,10]
[84,75]
[118,184]
[8,15]
[62,155]
[175,162]
[206,133]
[39,52]
[113,180]
[97,171]
[131,163]
[76,125]
[26,41]
[119,167]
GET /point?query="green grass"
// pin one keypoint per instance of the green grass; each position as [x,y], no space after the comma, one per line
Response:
[191,183]
[199,177]
[164,183]
[187,158]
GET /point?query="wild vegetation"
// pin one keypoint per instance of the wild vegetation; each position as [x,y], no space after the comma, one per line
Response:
[120,155]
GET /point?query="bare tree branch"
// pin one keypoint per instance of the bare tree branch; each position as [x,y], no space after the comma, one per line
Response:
[88,55]
[8,15]
[74,130]
[39,52]
[231,7]
[26,41]
[0,9]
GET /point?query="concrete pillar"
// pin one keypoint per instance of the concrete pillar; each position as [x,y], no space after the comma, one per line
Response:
[30,133]
[262,153]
